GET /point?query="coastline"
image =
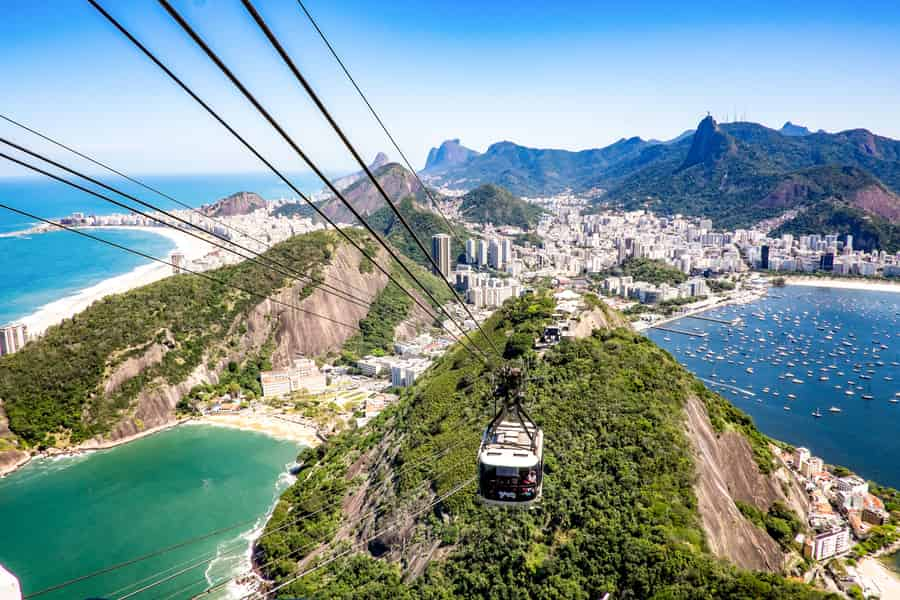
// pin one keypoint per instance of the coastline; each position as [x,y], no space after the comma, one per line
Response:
[887,580]
[741,297]
[844,283]
[270,425]
[55,312]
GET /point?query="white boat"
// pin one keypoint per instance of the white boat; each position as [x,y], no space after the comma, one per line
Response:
[817,414]
[834,409]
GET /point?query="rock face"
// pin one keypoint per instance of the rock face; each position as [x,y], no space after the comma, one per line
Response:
[397,181]
[294,332]
[708,145]
[448,154]
[792,130]
[726,471]
[9,458]
[877,200]
[241,203]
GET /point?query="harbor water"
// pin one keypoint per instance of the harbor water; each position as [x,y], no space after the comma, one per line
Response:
[814,366]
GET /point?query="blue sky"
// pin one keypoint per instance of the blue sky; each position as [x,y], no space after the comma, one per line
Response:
[550,74]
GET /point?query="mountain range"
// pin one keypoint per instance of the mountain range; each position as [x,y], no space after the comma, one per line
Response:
[736,173]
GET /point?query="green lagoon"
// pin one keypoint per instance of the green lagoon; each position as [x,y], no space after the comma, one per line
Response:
[66,517]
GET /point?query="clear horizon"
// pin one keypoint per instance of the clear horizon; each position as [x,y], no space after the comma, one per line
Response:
[570,76]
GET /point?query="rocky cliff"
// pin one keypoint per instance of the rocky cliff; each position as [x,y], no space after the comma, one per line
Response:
[727,472]
[397,181]
[293,333]
[241,203]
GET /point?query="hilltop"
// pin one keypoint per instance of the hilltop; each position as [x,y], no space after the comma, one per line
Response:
[396,180]
[240,203]
[534,171]
[493,204]
[447,155]
[639,497]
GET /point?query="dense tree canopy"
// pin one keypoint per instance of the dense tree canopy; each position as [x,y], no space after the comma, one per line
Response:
[618,514]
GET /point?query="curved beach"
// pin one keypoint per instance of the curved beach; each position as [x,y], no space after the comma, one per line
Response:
[58,310]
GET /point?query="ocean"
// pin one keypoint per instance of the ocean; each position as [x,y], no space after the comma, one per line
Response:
[43,268]
[791,341]
[63,518]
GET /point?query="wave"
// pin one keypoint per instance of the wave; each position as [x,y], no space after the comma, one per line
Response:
[234,557]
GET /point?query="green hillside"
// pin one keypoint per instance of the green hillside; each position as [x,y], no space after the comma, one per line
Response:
[493,204]
[649,270]
[423,221]
[735,173]
[52,386]
[618,514]
[391,307]
[870,232]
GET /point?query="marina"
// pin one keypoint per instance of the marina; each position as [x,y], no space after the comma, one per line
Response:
[813,366]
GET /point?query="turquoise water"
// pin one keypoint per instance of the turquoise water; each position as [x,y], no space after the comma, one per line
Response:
[39,269]
[785,337]
[43,268]
[67,517]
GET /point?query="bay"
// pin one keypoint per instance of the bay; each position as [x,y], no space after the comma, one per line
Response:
[785,339]
[66,517]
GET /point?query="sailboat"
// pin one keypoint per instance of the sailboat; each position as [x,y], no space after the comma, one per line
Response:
[817,413]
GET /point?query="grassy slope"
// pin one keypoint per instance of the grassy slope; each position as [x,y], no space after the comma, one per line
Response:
[52,385]
[870,232]
[618,513]
[390,308]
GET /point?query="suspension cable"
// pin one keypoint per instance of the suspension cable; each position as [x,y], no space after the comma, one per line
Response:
[321,565]
[190,271]
[133,180]
[256,257]
[384,128]
[275,125]
[152,57]
[273,40]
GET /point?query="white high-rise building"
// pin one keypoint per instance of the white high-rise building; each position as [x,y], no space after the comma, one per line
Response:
[12,338]
[505,253]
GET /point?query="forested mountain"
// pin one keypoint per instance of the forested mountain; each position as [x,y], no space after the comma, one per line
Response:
[628,499]
[493,204]
[740,173]
[123,364]
[736,173]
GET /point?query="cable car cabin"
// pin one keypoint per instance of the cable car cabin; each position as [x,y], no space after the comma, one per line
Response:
[510,464]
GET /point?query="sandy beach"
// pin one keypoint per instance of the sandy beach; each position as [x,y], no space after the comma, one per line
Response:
[845,284]
[887,581]
[271,425]
[54,312]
